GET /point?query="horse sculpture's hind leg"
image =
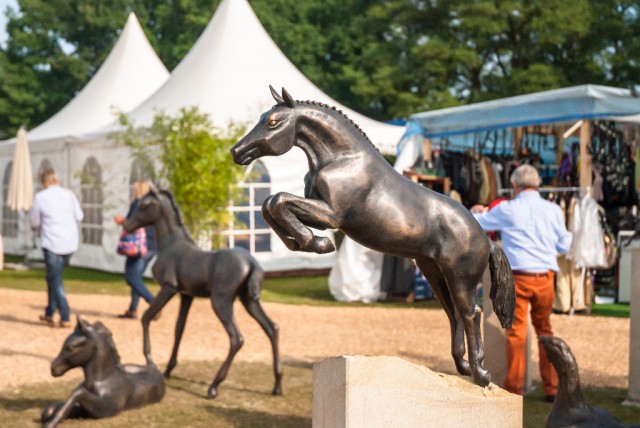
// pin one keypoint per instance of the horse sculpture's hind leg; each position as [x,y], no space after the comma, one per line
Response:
[254,308]
[463,294]
[294,214]
[439,287]
[165,294]
[223,307]
[185,305]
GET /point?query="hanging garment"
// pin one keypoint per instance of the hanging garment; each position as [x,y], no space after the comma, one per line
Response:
[568,293]
[587,248]
[356,274]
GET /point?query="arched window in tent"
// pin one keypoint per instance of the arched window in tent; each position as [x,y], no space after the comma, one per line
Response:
[45,164]
[247,227]
[9,216]
[92,199]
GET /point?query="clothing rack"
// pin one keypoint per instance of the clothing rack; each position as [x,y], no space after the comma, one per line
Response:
[549,189]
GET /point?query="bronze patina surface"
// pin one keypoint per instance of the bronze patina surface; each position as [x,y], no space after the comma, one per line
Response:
[181,267]
[109,387]
[570,409]
[351,187]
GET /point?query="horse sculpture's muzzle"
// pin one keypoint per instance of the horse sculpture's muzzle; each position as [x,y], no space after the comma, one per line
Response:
[58,368]
[246,151]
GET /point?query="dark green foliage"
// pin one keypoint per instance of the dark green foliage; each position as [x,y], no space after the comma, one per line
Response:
[384,58]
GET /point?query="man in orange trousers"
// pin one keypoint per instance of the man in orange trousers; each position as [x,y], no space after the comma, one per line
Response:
[533,233]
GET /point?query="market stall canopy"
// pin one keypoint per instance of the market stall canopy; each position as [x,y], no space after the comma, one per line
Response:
[559,105]
[131,72]
[227,75]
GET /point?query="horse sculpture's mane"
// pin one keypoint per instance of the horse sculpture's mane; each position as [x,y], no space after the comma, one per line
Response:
[334,108]
[169,196]
[104,333]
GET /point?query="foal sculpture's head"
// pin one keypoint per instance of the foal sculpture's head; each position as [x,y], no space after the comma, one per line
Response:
[273,135]
[77,349]
[147,212]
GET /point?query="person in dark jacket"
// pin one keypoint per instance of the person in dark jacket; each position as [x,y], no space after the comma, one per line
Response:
[134,267]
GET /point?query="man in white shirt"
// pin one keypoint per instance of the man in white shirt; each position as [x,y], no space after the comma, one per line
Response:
[56,212]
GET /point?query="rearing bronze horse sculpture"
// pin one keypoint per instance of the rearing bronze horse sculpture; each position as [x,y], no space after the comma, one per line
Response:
[351,187]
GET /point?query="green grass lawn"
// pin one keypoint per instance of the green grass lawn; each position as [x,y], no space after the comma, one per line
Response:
[310,290]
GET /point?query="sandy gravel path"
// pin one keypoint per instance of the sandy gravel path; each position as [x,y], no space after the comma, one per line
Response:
[308,334]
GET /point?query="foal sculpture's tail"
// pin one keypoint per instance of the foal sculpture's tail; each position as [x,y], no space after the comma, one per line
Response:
[503,290]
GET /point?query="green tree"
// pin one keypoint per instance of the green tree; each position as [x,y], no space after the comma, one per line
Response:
[383,58]
[194,164]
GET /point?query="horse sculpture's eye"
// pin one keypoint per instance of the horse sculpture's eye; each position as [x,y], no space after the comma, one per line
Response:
[272,123]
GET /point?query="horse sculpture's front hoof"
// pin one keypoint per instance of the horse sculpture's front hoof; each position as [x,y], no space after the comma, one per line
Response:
[212,392]
[48,413]
[322,245]
[277,390]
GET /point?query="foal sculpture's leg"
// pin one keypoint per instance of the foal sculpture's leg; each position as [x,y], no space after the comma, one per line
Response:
[294,213]
[93,405]
[223,307]
[161,299]
[439,287]
[185,305]
[255,309]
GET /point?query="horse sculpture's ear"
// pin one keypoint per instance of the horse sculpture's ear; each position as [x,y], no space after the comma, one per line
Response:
[276,96]
[153,189]
[288,99]
[83,325]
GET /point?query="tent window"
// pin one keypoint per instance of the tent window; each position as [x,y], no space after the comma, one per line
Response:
[9,216]
[92,201]
[247,227]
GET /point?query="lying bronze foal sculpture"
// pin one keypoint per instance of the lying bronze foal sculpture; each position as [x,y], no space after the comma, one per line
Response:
[351,187]
[109,387]
[181,267]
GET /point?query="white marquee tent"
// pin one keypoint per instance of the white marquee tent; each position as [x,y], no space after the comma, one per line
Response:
[226,75]
[131,72]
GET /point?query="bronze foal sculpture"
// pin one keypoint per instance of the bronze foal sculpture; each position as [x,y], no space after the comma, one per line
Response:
[109,387]
[181,267]
[351,187]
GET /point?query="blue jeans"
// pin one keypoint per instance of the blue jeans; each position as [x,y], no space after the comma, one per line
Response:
[134,268]
[57,299]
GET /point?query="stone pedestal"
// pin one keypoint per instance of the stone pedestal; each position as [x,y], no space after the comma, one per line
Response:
[378,391]
[495,341]
[633,395]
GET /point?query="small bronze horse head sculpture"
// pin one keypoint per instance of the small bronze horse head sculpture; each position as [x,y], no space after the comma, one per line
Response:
[182,267]
[351,187]
[109,387]
[570,409]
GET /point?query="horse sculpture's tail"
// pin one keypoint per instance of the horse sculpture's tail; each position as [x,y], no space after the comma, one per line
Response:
[254,282]
[503,291]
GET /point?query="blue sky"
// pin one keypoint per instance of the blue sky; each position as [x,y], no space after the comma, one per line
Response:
[3,18]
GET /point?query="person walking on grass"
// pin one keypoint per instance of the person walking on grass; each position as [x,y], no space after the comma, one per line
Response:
[56,212]
[134,267]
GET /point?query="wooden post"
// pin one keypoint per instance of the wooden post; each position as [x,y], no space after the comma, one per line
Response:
[426,150]
[585,158]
